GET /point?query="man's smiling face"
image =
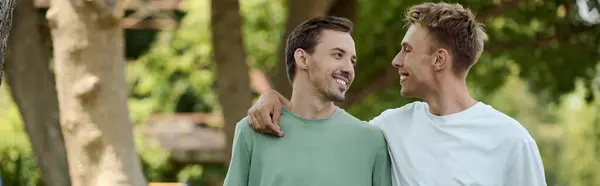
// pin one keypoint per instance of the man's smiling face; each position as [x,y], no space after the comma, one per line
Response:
[331,65]
[415,62]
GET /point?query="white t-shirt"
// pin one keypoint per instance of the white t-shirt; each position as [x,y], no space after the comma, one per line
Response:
[479,146]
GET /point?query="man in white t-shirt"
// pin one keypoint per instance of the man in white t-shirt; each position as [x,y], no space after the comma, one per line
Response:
[450,138]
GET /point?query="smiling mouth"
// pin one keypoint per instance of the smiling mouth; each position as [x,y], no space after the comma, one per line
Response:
[403,76]
[341,81]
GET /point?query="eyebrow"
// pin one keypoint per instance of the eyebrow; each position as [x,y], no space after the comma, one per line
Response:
[343,51]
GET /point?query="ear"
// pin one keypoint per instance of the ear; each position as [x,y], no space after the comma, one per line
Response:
[301,58]
[441,59]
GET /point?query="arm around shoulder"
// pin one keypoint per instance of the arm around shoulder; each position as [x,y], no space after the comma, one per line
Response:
[239,165]
[378,120]
[385,116]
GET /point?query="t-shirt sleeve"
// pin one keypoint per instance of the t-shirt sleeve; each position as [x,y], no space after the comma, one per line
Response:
[239,165]
[382,170]
[526,168]
[379,120]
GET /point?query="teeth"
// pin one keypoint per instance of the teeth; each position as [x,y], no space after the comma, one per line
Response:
[341,81]
[402,77]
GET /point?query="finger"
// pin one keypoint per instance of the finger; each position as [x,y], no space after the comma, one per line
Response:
[258,121]
[255,126]
[276,116]
[268,123]
[250,121]
[274,129]
[250,111]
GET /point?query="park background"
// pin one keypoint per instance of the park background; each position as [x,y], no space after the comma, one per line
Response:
[174,82]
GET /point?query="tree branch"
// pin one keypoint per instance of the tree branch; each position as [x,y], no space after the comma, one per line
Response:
[535,43]
[540,41]
[109,12]
[503,7]
[6,14]
[142,13]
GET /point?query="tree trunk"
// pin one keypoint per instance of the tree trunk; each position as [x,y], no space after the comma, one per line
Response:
[34,91]
[92,93]
[6,12]
[344,8]
[300,11]
[235,94]
[232,74]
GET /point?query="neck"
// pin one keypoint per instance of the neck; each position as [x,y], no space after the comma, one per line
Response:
[450,97]
[308,103]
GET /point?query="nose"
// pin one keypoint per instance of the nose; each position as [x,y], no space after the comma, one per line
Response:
[348,69]
[398,61]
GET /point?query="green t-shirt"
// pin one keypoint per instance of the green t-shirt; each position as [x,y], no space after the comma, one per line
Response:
[337,151]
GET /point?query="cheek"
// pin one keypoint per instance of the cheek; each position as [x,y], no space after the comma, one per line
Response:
[422,68]
[318,73]
[323,67]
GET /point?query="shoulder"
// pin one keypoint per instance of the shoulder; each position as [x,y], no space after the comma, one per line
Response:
[406,109]
[243,125]
[512,129]
[395,113]
[357,124]
[243,128]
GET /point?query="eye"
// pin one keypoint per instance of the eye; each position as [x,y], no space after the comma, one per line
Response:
[406,49]
[353,62]
[337,55]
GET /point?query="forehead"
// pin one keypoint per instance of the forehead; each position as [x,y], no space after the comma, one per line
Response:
[416,36]
[330,39]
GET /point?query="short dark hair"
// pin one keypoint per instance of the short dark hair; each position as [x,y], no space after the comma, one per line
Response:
[452,27]
[307,35]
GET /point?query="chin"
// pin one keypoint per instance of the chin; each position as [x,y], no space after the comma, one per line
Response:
[408,94]
[405,93]
[337,97]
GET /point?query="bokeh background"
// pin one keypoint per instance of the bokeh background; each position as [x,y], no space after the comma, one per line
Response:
[193,68]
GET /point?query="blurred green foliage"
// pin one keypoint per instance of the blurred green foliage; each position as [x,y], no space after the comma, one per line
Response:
[529,71]
[17,164]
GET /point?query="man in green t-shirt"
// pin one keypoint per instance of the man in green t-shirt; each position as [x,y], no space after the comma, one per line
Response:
[325,146]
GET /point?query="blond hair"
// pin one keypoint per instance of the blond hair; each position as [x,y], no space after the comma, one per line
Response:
[452,27]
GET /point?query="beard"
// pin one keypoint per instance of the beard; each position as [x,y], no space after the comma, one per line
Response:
[322,81]
[336,96]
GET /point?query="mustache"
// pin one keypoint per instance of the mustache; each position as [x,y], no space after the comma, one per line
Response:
[343,74]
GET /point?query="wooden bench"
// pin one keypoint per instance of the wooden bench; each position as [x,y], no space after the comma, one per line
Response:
[189,138]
